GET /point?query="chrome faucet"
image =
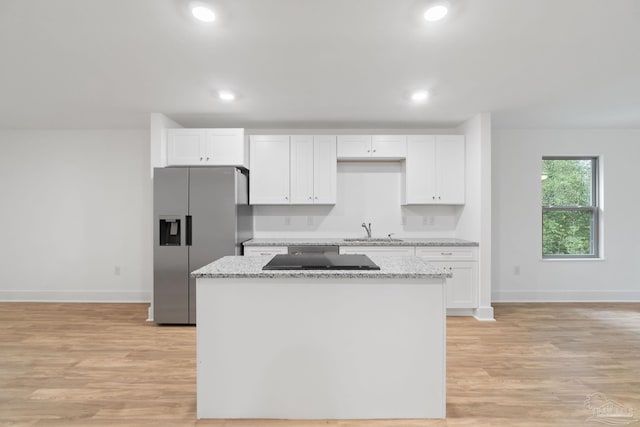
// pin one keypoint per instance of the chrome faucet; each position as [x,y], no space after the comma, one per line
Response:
[368,229]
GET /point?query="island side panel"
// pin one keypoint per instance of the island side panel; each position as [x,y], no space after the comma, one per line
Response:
[321,348]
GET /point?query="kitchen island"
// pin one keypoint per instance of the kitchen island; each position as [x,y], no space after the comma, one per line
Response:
[311,344]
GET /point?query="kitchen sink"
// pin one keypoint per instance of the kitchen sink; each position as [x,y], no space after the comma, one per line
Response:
[378,239]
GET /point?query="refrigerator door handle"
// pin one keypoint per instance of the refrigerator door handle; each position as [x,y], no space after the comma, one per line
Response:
[188,230]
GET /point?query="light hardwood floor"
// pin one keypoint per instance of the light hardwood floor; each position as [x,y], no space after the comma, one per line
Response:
[103,365]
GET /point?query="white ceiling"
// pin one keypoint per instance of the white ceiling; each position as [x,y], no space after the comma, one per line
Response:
[316,63]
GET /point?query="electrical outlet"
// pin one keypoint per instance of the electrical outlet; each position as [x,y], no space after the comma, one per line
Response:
[428,220]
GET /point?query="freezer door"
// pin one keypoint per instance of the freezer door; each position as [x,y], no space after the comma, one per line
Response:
[212,206]
[170,261]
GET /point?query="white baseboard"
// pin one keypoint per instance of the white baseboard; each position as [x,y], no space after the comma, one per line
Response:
[75,296]
[484,314]
[566,296]
[468,312]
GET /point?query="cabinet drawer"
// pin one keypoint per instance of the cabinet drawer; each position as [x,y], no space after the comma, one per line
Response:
[448,253]
[378,250]
[265,250]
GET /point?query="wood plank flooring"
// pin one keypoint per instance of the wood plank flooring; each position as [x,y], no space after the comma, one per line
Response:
[104,365]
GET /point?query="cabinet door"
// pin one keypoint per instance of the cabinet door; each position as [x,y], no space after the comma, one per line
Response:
[379,250]
[269,170]
[302,169]
[185,147]
[325,171]
[420,175]
[224,147]
[354,146]
[462,290]
[450,166]
[389,146]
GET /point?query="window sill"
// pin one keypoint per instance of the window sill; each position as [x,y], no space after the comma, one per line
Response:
[571,259]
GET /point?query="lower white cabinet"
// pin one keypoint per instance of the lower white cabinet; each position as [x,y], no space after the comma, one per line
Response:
[462,287]
[265,250]
[379,250]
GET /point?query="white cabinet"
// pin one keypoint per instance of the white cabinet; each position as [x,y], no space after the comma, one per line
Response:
[265,250]
[434,170]
[370,147]
[269,177]
[462,287]
[313,169]
[207,147]
[379,250]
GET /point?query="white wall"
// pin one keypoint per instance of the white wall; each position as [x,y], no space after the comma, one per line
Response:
[367,192]
[76,216]
[517,226]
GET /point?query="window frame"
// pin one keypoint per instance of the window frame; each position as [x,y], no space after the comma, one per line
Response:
[594,208]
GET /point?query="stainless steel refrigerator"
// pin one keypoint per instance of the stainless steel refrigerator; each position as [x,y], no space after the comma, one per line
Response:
[200,215]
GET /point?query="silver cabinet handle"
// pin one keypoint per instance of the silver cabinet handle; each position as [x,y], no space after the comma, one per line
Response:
[434,197]
[310,198]
[200,158]
[446,253]
[316,197]
[374,150]
[286,198]
[207,158]
[439,198]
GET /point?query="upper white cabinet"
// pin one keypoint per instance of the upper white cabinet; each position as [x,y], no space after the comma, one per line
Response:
[313,169]
[364,147]
[207,147]
[434,170]
[299,169]
[269,177]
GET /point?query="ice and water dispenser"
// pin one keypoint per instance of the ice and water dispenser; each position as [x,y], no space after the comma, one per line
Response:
[170,231]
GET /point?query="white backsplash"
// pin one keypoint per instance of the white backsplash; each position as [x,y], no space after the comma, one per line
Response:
[367,192]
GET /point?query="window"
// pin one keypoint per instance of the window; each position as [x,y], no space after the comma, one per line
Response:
[569,207]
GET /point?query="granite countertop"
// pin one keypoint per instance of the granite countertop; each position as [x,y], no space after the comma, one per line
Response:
[409,241]
[391,267]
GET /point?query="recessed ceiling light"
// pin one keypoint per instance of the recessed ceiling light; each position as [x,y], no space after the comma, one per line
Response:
[419,96]
[436,12]
[225,95]
[203,13]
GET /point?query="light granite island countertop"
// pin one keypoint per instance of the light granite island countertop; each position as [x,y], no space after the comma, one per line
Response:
[391,267]
[294,344]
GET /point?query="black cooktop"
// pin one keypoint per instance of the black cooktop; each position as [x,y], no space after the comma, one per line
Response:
[320,262]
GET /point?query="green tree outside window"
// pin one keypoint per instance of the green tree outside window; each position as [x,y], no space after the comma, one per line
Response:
[569,207]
